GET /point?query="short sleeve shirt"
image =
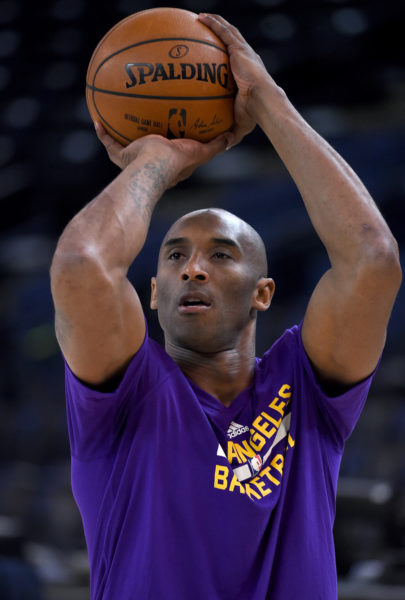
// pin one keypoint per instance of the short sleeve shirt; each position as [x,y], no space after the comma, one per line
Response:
[182,497]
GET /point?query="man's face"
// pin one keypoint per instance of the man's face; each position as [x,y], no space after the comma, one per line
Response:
[205,282]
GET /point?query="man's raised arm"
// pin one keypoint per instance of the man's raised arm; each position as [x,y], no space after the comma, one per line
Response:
[345,324]
[99,318]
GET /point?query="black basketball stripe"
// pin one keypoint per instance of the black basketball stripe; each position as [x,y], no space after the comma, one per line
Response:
[149,97]
[105,121]
[110,126]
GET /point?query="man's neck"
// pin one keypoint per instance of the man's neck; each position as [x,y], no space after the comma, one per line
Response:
[224,374]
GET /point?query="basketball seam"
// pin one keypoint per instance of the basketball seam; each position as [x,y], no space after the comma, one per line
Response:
[108,124]
[149,97]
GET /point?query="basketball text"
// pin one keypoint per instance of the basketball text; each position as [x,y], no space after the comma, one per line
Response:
[141,73]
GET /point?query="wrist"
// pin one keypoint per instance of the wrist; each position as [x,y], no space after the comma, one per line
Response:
[153,168]
[267,100]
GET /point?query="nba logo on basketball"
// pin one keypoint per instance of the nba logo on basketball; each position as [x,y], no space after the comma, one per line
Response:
[177,123]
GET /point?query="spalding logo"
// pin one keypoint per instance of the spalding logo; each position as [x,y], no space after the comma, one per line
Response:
[178,51]
[141,73]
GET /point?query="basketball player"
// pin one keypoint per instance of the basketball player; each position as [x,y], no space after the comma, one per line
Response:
[202,472]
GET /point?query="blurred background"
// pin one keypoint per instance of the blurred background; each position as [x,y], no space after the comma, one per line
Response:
[342,63]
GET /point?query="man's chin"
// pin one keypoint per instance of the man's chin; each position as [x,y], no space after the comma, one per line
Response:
[201,342]
[200,346]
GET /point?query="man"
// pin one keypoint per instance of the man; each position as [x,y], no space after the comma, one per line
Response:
[202,472]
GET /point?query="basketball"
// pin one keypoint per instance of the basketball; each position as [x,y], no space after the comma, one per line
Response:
[161,71]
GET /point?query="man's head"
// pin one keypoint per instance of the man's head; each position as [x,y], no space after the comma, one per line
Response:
[211,281]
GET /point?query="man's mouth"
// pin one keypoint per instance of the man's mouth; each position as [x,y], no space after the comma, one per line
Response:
[194,303]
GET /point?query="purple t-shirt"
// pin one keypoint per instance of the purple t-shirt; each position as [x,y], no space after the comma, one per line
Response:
[182,497]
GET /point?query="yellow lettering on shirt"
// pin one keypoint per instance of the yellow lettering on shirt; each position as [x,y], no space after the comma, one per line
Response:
[266,472]
[246,451]
[283,391]
[233,453]
[236,483]
[250,492]
[221,477]
[261,485]
[278,405]
[256,440]
[263,427]
[278,463]
[272,420]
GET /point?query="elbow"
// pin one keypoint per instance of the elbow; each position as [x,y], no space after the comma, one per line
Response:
[382,258]
[68,256]
[396,266]
[72,263]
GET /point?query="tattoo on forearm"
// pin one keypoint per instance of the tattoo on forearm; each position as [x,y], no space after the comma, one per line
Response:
[145,183]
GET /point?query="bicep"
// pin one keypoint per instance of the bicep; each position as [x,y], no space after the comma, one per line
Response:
[344,328]
[99,323]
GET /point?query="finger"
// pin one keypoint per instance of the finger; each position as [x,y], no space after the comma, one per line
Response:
[234,138]
[224,30]
[111,145]
[203,148]
[202,152]
[215,146]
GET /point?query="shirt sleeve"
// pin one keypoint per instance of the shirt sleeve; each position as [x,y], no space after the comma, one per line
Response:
[339,414]
[96,418]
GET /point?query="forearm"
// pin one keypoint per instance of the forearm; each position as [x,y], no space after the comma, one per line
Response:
[111,229]
[340,208]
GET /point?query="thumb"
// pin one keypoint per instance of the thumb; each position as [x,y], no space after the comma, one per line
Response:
[218,144]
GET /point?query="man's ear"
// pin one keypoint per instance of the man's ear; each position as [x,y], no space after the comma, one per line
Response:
[153,295]
[263,294]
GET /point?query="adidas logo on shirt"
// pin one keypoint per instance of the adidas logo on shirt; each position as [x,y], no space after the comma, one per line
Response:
[235,429]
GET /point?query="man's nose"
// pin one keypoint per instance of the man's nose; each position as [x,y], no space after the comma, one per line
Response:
[194,269]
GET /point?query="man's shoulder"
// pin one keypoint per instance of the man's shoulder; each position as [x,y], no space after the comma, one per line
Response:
[282,359]
[288,342]
[152,361]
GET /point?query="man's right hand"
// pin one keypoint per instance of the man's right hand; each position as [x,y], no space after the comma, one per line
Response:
[181,156]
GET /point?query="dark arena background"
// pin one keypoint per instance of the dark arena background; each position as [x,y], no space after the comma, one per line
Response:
[342,63]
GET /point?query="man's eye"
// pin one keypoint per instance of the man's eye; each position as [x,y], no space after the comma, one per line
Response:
[174,256]
[221,255]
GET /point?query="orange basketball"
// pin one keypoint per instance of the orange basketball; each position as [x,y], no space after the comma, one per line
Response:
[161,71]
